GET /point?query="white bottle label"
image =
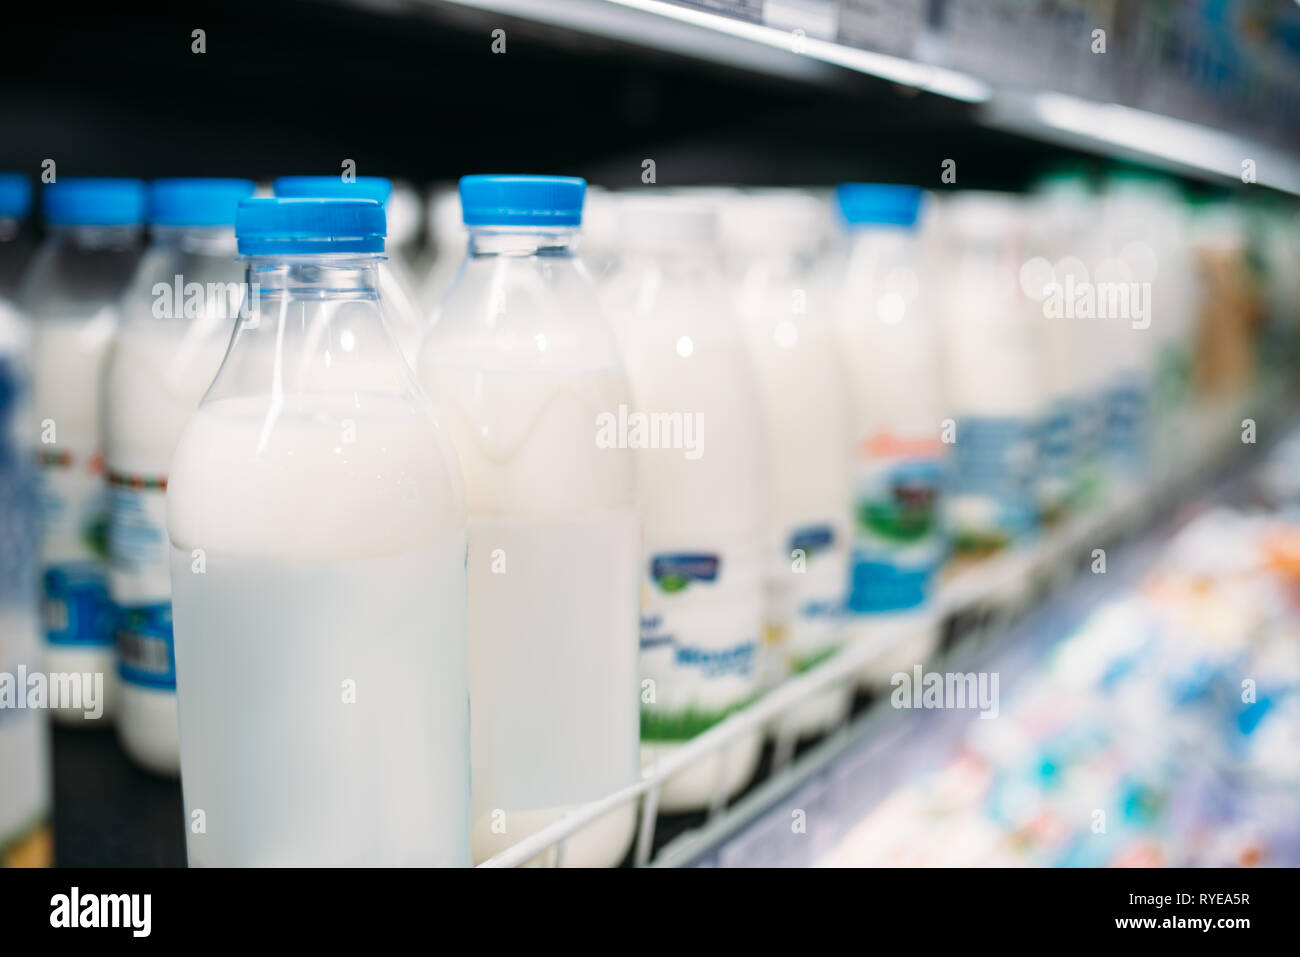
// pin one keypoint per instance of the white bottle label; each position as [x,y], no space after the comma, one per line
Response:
[805,600]
[139,578]
[73,525]
[701,619]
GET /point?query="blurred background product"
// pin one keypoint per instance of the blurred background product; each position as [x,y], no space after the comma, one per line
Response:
[178,313]
[522,366]
[701,463]
[25,799]
[320,660]
[887,323]
[71,294]
[786,316]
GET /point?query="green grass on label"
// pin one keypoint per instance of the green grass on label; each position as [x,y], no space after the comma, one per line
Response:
[661,725]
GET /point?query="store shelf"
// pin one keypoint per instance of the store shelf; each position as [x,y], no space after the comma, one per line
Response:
[999,589]
[1068,97]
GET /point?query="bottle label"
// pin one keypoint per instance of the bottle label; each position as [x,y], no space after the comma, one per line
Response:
[18,529]
[898,542]
[139,578]
[146,653]
[701,616]
[1125,411]
[138,549]
[72,505]
[1058,457]
[994,460]
[805,601]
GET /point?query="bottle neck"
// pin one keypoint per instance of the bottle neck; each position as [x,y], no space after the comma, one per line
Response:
[490,241]
[315,276]
[111,238]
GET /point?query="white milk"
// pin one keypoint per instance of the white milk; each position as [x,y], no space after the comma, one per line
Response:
[319,602]
[162,362]
[888,334]
[786,319]
[702,492]
[521,367]
[70,293]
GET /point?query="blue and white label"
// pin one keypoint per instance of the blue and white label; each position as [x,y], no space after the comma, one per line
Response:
[76,608]
[146,655]
[992,501]
[899,542]
[701,625]
[1125,424]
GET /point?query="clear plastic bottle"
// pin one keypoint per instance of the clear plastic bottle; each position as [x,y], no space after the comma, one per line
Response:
[71,294]
[702,463]
[888,330]
[24,736]
[317,528]
[396,283]
[522,366]
[787,321]
[177,317]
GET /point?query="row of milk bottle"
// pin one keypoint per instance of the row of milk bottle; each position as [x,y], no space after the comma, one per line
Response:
[671,489]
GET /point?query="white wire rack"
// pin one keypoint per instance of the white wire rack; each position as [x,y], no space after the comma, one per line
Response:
[994,591]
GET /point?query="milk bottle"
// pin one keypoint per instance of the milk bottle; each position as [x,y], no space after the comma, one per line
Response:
[71,294]
[524,371]
[992,368]
[696,422]
[317,525]
[177,317]
[786,318]
[396,283]
[24,743]
[888,332]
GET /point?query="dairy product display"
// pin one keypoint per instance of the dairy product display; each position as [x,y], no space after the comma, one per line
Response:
[397,284]
[70,293]
[702,465]
[25,798]
[786,317]
[888,330]
[606,528]
[524,372]
[317,528]
[177,317]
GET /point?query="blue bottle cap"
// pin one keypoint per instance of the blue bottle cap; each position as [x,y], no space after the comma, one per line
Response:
[15,195]
[333,187]
[292,226]
[491,200]
[196,202]
[878,203]
[86,201]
